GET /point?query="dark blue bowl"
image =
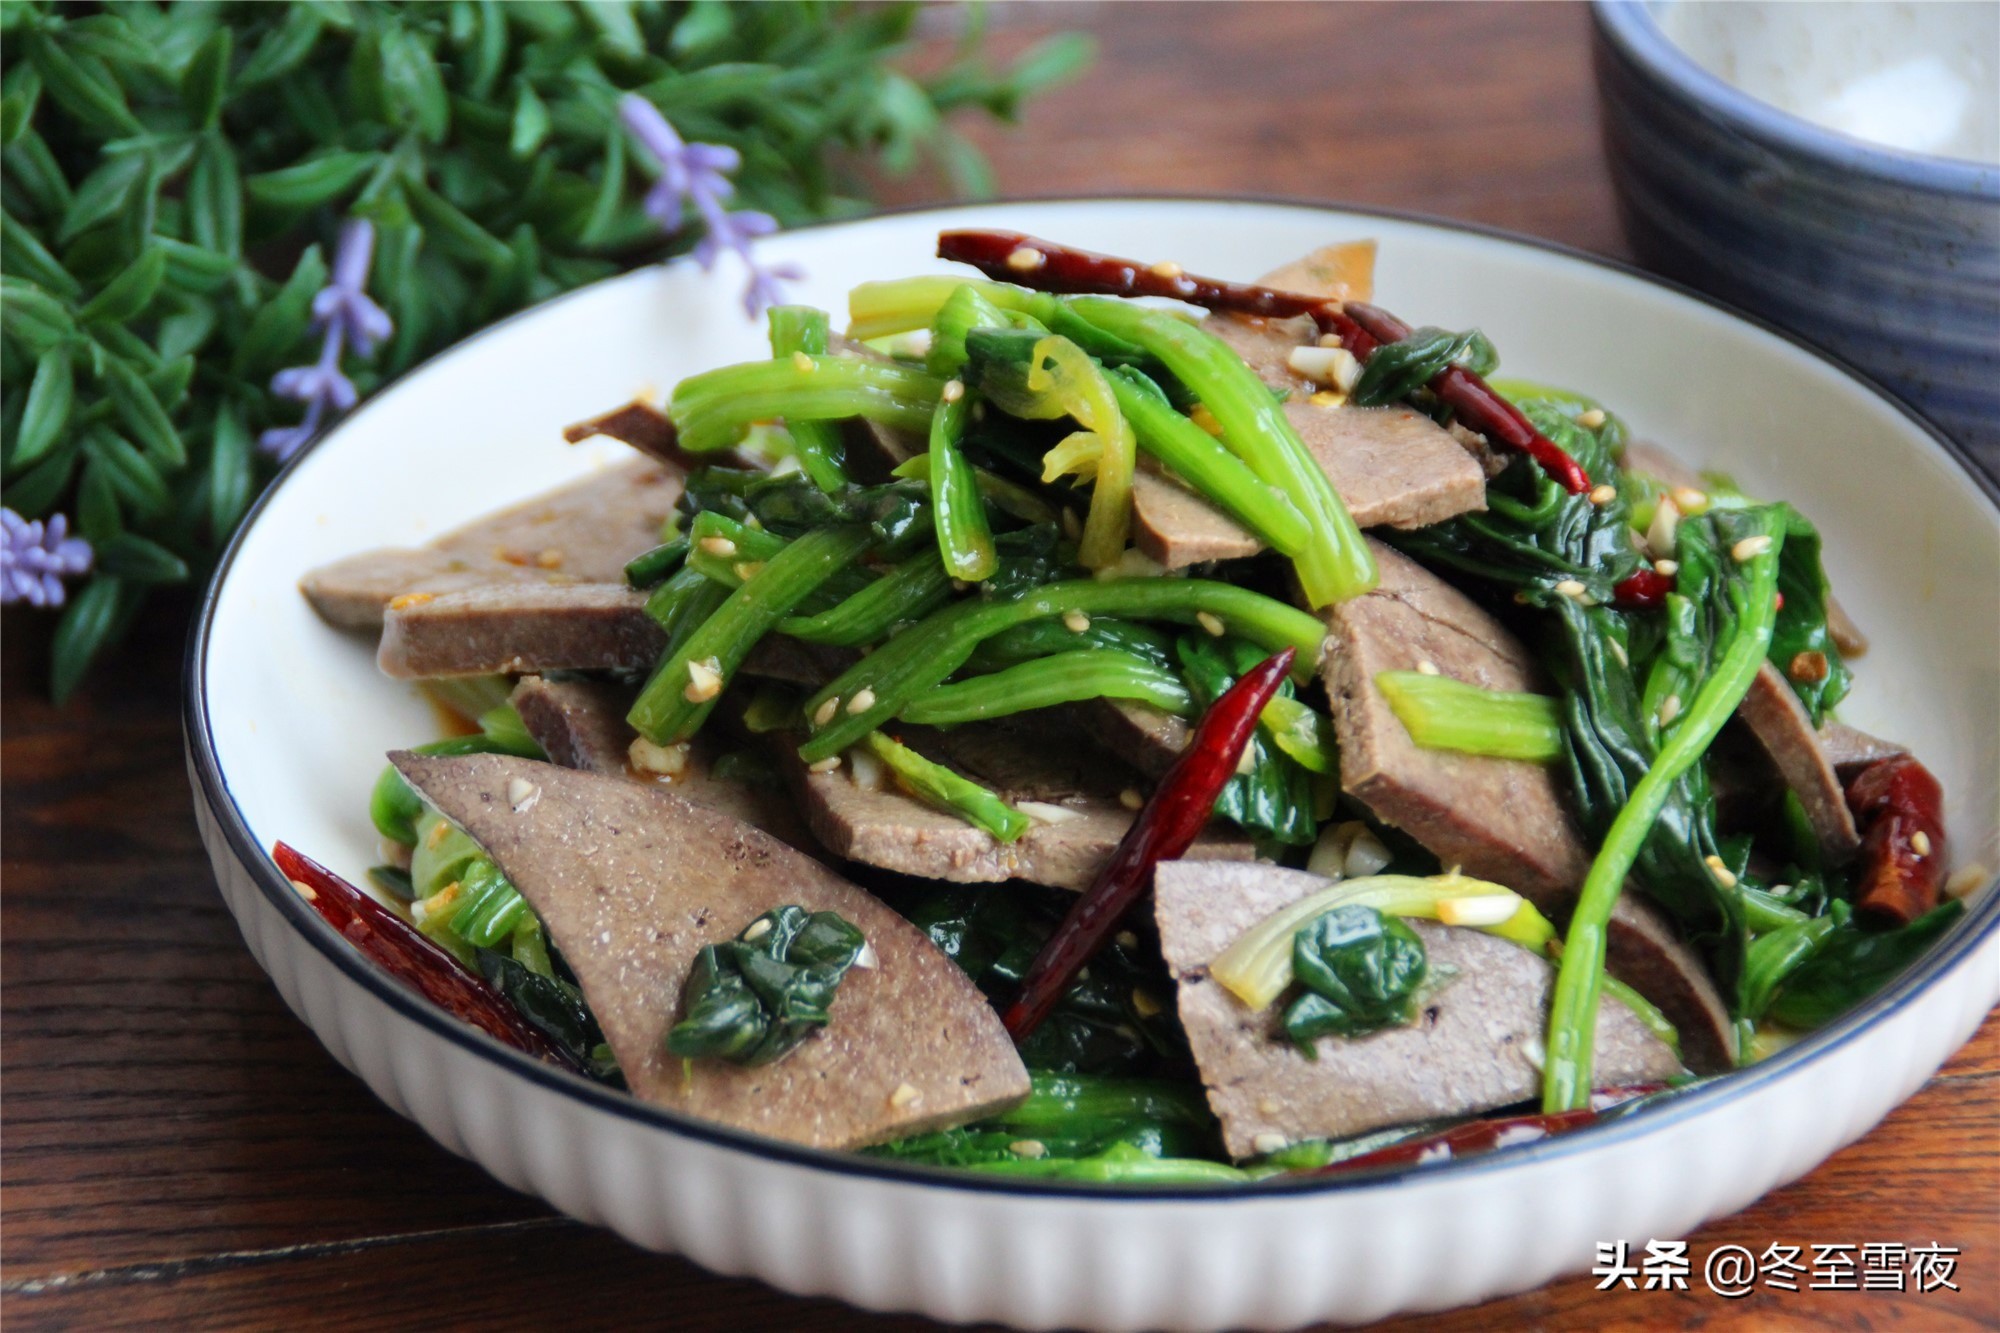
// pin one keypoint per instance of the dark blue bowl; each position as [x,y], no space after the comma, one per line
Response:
[1890,260]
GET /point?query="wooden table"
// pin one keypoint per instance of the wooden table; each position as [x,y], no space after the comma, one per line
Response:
[179,1152]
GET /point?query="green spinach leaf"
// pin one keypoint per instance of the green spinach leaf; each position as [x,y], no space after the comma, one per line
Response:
[1358,972]
[753,999]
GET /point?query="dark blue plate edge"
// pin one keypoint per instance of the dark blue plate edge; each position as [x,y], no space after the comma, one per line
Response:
[213,792]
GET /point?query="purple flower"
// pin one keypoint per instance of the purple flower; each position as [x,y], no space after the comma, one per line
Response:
[36,558]
[345,315]
[697,174]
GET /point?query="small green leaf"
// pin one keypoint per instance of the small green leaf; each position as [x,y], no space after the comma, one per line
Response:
[140,560]
[312,183]
[92,620]
[97,505]
[105,193]
[707,23]
[27,258]
[82,86]
[193,270]
[531,122]
[170,382]
[206,80]
[134,477]
[229,472]
[285,49]
[32,317]
[456,233]
[277,328]
[489,50]
[33,170]
[184,333]
[143,416]
[126,295]
[35,492]
[413,86]
[215,198]
[610,191]
[50,398]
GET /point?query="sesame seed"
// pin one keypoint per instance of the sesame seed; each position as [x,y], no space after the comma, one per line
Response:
[758,929]
[953,390]
[1076,622]
[1125,939]
[1591,419]
[1211,622]
[826,765]
[522,795]
[305,891]
[1327,398]
[1689,500]
[1570,588]
[1670,708]
[1618,651]
[1167,269]
[1427,668]
[718,546]
[1026,259]
[1920,843]
[648,757]
[1130,798]
[825,712]
[1750,548]
[1267,1143]
[1808,666]
[409,599]
[1144,1005]
[1028,1148]
[550,559]
[1723,875]
[1330,340]
[863,700]
[1604,494]
[804,364]
[704,681]
[1965,880]
[746,569]
[1666,568]
[1487,909]
[904,1095]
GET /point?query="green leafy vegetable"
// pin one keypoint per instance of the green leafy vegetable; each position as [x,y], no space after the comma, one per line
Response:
[1852,964]
[753,999]
[1358,971]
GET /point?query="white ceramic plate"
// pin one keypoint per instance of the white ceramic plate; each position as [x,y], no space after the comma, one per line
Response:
[287,722]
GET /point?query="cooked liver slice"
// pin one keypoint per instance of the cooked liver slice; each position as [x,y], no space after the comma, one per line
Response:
[893,830]
[1471,1049]
[1137,734]
[632,881]
[1392,466]
[1779,722]
[520,627]
[585,532]
[1850,750]
[1500,819]
[581,724]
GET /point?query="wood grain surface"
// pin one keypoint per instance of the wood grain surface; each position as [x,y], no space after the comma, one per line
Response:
[179,1152]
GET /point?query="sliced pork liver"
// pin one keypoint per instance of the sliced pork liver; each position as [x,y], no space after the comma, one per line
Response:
[1473,1047]
[1392,466]
[584,532]
[631,882]
[1850,750]
[581,724]
[1781,725]
[520,627]
[886,827]
[1500,819]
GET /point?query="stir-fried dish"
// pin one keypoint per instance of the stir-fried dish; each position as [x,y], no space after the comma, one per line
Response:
[1048,731]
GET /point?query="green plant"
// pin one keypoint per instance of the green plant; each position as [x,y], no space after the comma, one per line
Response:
[174,176]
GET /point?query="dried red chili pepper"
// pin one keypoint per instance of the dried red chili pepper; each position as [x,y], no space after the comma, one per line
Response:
[405,954]
[1478,1136]
[1645,591]
[1361,327]
[1175,815]
[1900,805]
